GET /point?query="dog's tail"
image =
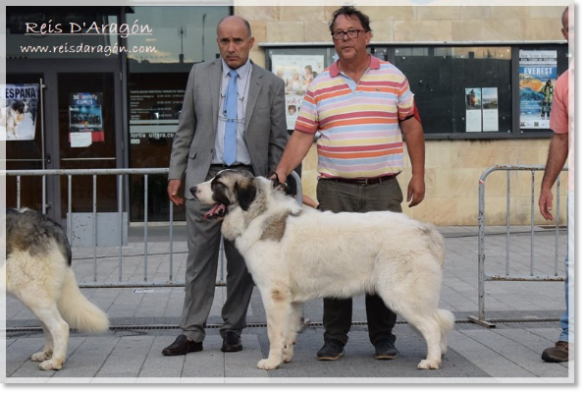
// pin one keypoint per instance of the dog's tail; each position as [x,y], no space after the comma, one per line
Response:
[78,311]
[446,320]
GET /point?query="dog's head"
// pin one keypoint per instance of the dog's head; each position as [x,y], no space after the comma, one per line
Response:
[19,106]
[227,190]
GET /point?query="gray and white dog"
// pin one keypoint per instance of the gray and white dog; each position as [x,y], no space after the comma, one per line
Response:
[38,272]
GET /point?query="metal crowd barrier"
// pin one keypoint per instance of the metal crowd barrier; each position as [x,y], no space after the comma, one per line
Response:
[120,173]
[482,276]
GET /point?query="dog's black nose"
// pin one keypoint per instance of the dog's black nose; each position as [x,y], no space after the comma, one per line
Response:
[193,190]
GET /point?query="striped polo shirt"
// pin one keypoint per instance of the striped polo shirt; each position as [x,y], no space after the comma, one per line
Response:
[358,122]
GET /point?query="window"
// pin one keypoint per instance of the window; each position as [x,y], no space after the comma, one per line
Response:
[466,92]
[61,32]
[451,83]
[182,36]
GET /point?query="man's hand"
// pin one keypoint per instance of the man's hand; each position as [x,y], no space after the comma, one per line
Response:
[415,143]
[545,202]
[416,191]
[173,190]
[278,180]
[557,155]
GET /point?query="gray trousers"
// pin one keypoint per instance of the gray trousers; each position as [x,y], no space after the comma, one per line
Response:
[344,197]
[203,244]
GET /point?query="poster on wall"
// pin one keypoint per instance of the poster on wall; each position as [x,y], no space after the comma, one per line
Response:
[473,109]
[297,72]
[85,119]
[489,106]
[154,113]
[18,116]
[538,76]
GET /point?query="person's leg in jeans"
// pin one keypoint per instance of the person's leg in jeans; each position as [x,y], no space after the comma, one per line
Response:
[568,318]
[560,352]
[564,322]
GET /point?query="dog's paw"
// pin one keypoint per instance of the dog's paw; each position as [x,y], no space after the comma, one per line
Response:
[428,364]
[42,356]
[51,365]
[267,364]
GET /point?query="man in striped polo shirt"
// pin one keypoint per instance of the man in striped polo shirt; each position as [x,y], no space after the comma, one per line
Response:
[362,107]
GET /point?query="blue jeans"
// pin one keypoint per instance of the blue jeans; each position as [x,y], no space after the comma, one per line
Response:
[568,319]
[564,337]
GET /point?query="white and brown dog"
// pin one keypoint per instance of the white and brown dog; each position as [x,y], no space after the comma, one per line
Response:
[296,254]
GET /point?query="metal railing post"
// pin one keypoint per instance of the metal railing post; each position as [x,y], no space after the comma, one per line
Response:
[94,222]
[121,223]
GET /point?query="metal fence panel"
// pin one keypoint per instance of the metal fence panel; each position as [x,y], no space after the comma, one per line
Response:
[120,173]
[482,276]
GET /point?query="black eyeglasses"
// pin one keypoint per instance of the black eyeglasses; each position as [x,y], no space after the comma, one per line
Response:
[351,33]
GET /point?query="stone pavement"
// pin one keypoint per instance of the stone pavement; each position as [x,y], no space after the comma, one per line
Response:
[145,320]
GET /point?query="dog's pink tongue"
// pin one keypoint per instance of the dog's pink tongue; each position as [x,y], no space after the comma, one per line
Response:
[217,210]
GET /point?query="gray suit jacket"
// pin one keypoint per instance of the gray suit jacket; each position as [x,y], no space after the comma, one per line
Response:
[265,131]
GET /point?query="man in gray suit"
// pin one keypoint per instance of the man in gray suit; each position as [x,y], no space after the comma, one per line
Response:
[206,143]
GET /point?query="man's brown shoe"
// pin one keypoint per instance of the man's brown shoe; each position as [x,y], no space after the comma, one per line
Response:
[557,354]
[231,342]
[182,346]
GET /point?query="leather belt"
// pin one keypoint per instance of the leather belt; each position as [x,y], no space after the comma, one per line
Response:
[226,167]
[366,181]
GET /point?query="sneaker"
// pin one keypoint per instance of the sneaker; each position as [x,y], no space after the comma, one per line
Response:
[557,354]
[385,350]
[332,350]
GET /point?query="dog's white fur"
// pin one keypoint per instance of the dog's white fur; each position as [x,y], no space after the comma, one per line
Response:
[47,286]
[325,254]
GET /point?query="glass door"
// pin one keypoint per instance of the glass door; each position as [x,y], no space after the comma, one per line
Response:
[23,130]
[87,138]
[73,120]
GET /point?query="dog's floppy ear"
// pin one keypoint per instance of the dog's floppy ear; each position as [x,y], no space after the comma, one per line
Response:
[246,192]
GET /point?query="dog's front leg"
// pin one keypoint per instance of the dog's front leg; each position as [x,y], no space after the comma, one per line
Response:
[294,325]
[278,311]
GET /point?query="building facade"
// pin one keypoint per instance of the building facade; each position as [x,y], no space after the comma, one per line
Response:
[478,75]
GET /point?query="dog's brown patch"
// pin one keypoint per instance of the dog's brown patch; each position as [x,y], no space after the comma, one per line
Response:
[274,227]
[277,295]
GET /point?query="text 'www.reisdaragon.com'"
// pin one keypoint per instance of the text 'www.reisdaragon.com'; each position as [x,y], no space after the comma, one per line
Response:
[106,50]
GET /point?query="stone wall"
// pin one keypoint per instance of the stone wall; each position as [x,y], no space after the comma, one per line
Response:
[453,168]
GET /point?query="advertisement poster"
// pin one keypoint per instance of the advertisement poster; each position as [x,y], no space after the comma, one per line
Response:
[18,117]
[538,75]
[473,109]
[489,104]
[85,119]
[154,113]
[297,72]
